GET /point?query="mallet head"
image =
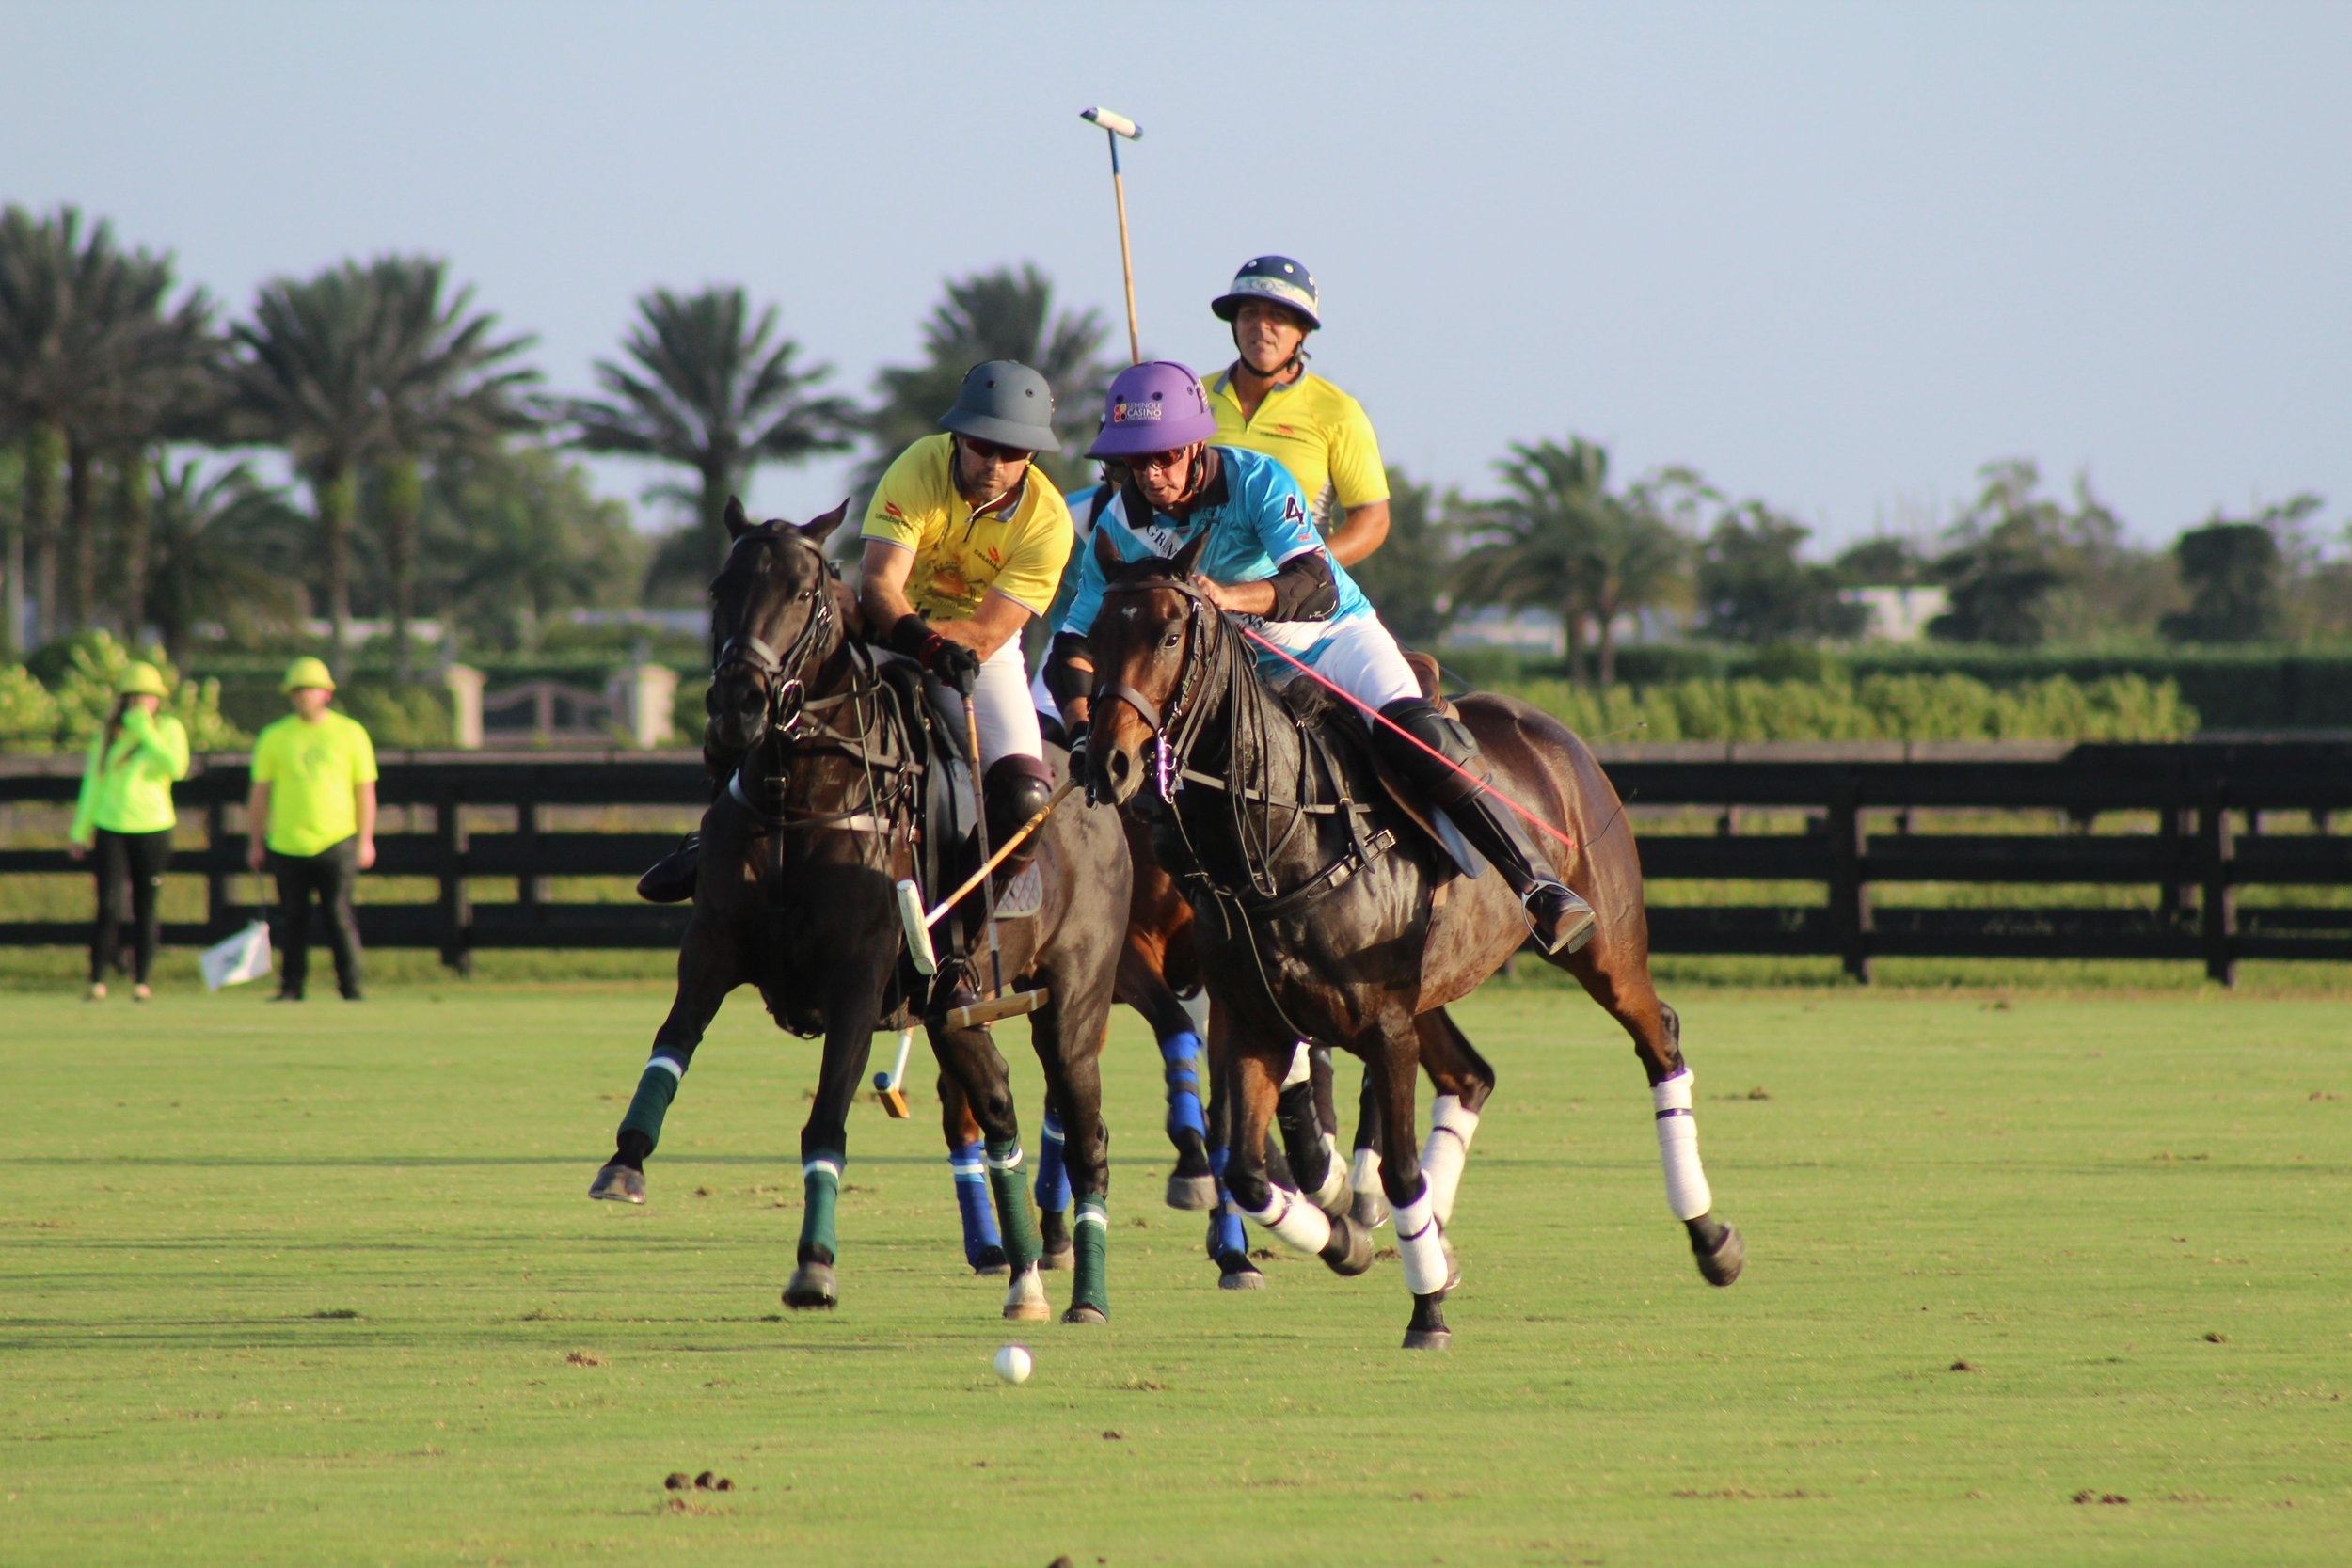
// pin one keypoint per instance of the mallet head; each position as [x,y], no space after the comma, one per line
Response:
[1117,125]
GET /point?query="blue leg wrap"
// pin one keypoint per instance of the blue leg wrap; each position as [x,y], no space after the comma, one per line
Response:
[1180,1052]
[972,1202]
[1053,1179]
[1225,1233]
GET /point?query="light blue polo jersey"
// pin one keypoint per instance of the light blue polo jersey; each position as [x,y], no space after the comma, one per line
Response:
[1257,519]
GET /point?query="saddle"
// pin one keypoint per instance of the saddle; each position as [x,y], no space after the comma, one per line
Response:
[946,846]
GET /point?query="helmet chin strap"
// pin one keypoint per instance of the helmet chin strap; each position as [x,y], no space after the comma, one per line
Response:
[1298,361]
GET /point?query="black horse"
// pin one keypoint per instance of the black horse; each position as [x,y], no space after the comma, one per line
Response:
[797,895]
[1325,913]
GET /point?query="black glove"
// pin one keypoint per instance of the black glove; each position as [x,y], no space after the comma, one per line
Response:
[952,662]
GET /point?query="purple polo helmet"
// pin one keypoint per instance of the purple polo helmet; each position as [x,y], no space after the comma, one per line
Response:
[1156,407]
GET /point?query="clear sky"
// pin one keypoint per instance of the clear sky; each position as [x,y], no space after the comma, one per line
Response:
[1836,255]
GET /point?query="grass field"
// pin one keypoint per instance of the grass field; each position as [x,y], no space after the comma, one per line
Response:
[319,1286]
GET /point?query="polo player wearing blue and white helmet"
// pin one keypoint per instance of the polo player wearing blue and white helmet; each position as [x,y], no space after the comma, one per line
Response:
[1264,564]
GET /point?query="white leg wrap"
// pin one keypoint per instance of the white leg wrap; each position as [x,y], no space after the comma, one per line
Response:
[1365,1177]
[1451,1129]
[1420,1244]
[1302,1066]
[1295,1220]
[1687,1193]
[1334,1176]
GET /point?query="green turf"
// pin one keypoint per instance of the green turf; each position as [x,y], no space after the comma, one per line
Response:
[319,1286]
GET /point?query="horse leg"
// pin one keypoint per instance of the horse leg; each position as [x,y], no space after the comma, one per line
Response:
[1143,986]
[1363,1175]
[971,1058]
[1620,983]
[706,973]
[983,1248]
[1228,1244]
[1393,1055]
[1053,1193]
[1464,1082]
[1314,1167]
[1074,1088]
[1257,1075]
[825,1138]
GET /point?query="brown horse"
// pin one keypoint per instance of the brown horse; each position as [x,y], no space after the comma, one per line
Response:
[796,895]
[1324,913]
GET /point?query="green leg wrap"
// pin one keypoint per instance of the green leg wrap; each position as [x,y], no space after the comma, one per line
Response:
[1091,1234]
[820,1177]
[656,1088]
[1013,1205]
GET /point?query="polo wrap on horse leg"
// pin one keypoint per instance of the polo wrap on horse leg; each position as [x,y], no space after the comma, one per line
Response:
[972,1206]
[1450,1129]
[1313,1161]
[1021,1245]
[655,1088]
[1017,787]
[1179,1054]
[820,1186]
[1687,1193]
[1225,1233]
[1091,1236]
[1295,1219]
[1421,1244]
[1053,1176]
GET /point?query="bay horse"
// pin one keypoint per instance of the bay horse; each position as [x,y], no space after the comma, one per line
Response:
[797,895]
[1324,913]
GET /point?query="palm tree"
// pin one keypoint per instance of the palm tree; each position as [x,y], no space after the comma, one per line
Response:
[448,391]
[308,374]
[708,393]
[1559,540]
[211,539]
[994,315]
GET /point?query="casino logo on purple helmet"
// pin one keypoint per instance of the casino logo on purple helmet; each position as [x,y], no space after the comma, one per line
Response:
[1156,407]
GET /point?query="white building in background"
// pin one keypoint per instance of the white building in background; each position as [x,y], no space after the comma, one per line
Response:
[1898,614]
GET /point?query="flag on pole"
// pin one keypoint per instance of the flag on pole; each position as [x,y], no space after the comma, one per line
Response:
[242,957]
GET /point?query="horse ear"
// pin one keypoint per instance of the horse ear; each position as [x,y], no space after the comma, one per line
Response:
[816,530]
[1106,554]
[737,524]
[1189,556]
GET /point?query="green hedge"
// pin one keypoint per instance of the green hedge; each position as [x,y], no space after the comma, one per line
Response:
[1878,707]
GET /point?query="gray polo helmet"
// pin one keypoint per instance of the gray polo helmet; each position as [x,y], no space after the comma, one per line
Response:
[1005,401]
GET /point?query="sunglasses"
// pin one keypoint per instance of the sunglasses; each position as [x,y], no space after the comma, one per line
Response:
[995,454]
[1154,461]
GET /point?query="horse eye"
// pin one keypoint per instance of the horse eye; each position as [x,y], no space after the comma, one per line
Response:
[1171,639]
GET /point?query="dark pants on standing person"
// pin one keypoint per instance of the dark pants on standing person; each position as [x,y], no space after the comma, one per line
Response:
[329,875]
[130,882]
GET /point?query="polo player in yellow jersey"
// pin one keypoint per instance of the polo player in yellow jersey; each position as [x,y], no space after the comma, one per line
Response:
[1267,400]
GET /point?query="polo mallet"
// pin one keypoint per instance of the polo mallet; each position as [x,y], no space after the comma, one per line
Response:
[890,1088]
[917,922]
[997,1005]
[1115,126]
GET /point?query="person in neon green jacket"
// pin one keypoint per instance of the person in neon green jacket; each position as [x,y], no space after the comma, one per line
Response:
[125,812]
[310,819]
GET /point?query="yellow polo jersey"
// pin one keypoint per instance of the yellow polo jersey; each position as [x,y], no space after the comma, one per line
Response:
[959,555]
[1317,432]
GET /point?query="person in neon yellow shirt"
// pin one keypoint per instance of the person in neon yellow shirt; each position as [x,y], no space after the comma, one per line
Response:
[125,812]
[1266,401]
[310,819]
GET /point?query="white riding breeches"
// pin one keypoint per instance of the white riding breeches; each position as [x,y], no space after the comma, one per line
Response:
[1362,658]
[1000,702]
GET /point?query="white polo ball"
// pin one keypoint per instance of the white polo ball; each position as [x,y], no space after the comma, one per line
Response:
[1013,1364]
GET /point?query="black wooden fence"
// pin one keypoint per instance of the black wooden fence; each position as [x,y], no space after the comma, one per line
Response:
[2204,822]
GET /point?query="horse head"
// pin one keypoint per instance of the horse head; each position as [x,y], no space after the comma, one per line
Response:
[1150,641]
[776,614]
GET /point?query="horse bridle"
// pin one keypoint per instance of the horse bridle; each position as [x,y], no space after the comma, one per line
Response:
[1172,735]
[778,676]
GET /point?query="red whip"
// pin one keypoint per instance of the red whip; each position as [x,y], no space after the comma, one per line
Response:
[1393,727]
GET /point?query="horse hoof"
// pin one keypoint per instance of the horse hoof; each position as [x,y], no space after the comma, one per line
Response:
[617,1184]
[1429,1338]
[990,1262]
[1056,1261]
[1084,1316]
[1235,1272]
[1349,1251]
[1369,1211]
[1024,1300]
[1720,1264]
[1194,1192]
[811,1286]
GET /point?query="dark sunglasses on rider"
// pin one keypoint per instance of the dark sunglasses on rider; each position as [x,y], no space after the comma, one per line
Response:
[993,452]
[1152,462]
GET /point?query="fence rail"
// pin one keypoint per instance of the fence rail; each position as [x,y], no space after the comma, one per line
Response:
[1858,806]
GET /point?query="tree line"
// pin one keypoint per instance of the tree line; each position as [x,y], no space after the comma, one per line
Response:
[433,471]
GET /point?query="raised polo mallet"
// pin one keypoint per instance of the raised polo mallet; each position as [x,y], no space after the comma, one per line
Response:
[1114,127]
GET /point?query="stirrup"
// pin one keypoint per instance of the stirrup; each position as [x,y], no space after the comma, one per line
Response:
[1565,921]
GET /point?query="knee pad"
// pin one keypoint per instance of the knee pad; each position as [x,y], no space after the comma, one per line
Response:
[1449,738]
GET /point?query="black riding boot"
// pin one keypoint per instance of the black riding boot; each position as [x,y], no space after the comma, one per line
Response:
[1015,790]
[672,878]
[1563,921]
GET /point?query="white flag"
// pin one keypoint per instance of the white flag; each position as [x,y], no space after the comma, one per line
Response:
[242,957]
